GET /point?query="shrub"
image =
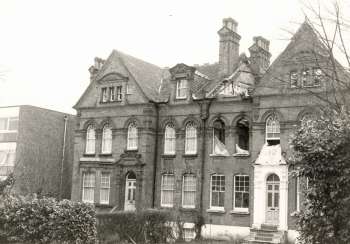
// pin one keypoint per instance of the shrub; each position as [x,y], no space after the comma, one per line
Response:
[47,220]
[148,226]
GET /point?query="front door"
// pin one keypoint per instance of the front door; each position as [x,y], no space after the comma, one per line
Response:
[273,189]
[130,190]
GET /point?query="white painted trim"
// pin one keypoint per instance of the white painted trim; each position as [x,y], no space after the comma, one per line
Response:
[260,175]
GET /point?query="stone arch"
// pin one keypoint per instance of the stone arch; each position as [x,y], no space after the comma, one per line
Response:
[130,120]
[271,112]
[108,121]
[219,117]
[168,120]
[309,110]
[193,119]
[88,123]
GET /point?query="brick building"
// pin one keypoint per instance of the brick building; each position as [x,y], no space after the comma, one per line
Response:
[209,140]
[36,144]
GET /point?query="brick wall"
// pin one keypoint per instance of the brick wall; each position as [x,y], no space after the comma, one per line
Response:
[39,152]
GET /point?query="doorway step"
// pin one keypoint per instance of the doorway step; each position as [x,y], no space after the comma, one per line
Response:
[267,234]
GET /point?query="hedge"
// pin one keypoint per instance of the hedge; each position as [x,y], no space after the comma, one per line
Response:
[47,220]
[148,226]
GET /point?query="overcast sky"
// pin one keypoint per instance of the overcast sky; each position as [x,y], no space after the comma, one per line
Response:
[46,47]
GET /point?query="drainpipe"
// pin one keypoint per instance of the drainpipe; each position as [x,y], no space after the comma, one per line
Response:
[156,105]
[204,117]
[65,118]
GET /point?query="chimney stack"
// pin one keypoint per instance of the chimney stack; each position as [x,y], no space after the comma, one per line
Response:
[260,55]
[229,47]
[98,63]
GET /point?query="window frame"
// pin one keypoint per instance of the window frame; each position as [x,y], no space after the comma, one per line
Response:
[181,87]
[8,121]
[214,207]
[295,79]
[194,178]
[169,139]
[272,129]
[119,93]
[297,191]
[105,187]
[191,137]
[92,140]
[241,209]
[107,138]
[92,187]
[132,136]
[170,190]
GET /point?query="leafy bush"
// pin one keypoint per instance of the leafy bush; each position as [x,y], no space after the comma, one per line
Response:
[47,220]
[148,226]
[322,156]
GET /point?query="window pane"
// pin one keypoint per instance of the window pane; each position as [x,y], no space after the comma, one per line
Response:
[191,139]
[167,190]
[3,123]
[132,137]
[217,190]
[169,139]
[13,124]
[88,187]
[107,139]
[189,190]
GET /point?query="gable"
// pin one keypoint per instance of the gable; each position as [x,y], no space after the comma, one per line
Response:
[305,51]
[145,78]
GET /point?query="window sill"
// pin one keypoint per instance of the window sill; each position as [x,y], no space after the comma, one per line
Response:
[187,209]
[110,102]
[180,98]
[241,155]
[89,155]
[239,212]
[190,155]
[103,205]
[168,155]
[105,155]
[131,150]
[216,210]
[218,155]
[166,206]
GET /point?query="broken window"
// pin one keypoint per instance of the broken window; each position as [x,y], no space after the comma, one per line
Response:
[219,147]
[243,134]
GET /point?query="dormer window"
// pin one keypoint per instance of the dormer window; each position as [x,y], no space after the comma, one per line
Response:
[111,94]
[181,89]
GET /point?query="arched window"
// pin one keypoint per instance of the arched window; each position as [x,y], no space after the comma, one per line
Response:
[219,147]
[219,130]
[243,134]
[106,139]
[191,138]
[272,130]
[132,137]
[90,140]
[169,139]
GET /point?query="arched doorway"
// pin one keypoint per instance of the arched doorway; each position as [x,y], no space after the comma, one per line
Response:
[130,191]
[273,199]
